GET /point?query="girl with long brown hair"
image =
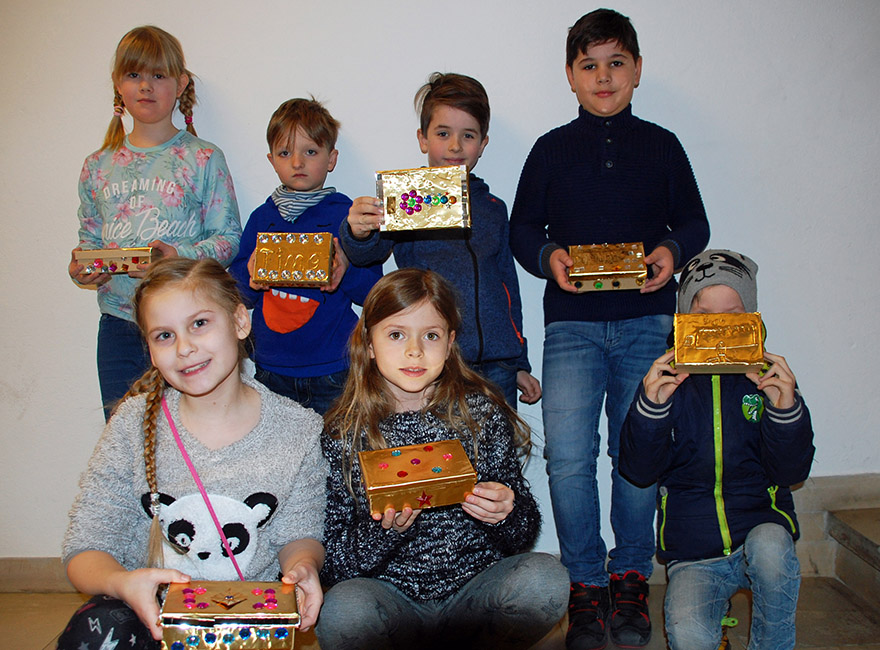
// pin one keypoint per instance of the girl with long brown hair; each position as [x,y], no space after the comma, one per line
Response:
[412,578]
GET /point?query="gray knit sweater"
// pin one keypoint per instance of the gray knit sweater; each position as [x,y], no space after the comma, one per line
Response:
[445,547]
[267,490]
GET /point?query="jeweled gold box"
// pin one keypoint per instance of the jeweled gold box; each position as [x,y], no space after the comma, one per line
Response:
[290,259]
[229,615]
[719,343]
[114,260]
[606,267]
[424,198]
[418,476]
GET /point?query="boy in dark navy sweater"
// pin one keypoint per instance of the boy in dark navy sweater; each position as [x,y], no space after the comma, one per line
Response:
[724,450]
[605,177]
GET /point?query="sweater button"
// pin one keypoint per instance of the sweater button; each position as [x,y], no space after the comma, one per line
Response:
[609,164]
[607,140]
[607,122]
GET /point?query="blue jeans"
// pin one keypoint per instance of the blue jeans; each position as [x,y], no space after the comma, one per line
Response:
[122,359]
[316,393]
[698,593]
[586,364]
[502,374]
[512,604]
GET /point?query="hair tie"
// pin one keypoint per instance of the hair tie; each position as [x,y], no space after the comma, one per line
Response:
[118,110]
[188,119]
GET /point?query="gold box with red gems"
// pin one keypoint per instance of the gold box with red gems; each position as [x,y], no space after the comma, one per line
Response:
[113,260]
[425,198]
[290,259]
[419,476]
[607,267]
[229,615]
[719,343]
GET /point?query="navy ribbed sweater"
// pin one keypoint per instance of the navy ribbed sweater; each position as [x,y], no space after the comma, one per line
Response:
[606,180]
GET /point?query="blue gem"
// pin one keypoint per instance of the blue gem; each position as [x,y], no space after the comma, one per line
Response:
[443,199]
[210,637]
[281,633]
[244,633]
[192,640]
[262,634]
[177,645]
[228,638]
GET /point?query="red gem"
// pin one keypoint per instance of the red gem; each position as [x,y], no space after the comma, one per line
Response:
[98,262]
[428,448]
[401,473]
[135,260]
[425,499]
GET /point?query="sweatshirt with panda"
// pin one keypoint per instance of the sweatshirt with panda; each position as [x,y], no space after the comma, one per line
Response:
[267,489]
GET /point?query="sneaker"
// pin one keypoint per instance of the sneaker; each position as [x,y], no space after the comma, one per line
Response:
[588,607]
[630,622]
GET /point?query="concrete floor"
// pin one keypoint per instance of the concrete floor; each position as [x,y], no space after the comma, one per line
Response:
[830,617]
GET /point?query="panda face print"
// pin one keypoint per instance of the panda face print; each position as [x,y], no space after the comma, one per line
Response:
[189,528]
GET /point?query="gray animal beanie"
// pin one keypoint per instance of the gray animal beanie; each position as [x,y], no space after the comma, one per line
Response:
[718,266]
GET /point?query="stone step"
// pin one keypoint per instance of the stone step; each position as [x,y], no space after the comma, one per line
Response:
[857,563]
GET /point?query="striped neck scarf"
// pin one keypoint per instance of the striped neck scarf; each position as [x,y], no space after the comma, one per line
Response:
[291,203]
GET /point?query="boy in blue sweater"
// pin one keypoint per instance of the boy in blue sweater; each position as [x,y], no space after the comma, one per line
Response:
[606,177]
[301,334]
[724,450]
[454,118]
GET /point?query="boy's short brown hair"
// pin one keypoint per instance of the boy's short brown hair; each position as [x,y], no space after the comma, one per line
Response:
[307,114]
[597,27]
[456,90]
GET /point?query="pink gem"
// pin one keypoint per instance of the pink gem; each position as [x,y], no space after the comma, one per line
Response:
[189,605]
[383,465]
[415,461]
[258,605]
[187,590]
[202,605]
[447,456]
[201,590]
[257,592]
[272,605]
[270,591]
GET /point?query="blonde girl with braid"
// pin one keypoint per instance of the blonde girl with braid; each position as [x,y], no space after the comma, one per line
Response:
[157,186]
[140,521]
[457,576]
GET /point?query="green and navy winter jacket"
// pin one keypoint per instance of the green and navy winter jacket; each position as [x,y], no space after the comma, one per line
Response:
[723,459]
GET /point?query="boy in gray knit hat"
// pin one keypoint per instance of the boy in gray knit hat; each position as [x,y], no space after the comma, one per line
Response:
[724,450]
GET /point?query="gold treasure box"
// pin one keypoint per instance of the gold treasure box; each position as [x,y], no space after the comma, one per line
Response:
[424,198]
[605,267]
[719,343]
[229,616]
[418,476]
[114,260]
[290,259]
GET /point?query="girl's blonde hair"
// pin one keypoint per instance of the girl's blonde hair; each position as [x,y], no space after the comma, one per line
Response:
[155,50]
[209,278]
[366,399]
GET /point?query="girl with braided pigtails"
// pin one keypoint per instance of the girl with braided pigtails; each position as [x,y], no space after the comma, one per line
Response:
[157,186]
[140,520]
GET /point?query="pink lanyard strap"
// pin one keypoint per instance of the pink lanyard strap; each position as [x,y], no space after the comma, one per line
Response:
[195,475]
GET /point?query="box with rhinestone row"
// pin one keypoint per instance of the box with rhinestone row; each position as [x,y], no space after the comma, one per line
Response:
[289,259]
[229,615]
[607,267]
[113,260]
